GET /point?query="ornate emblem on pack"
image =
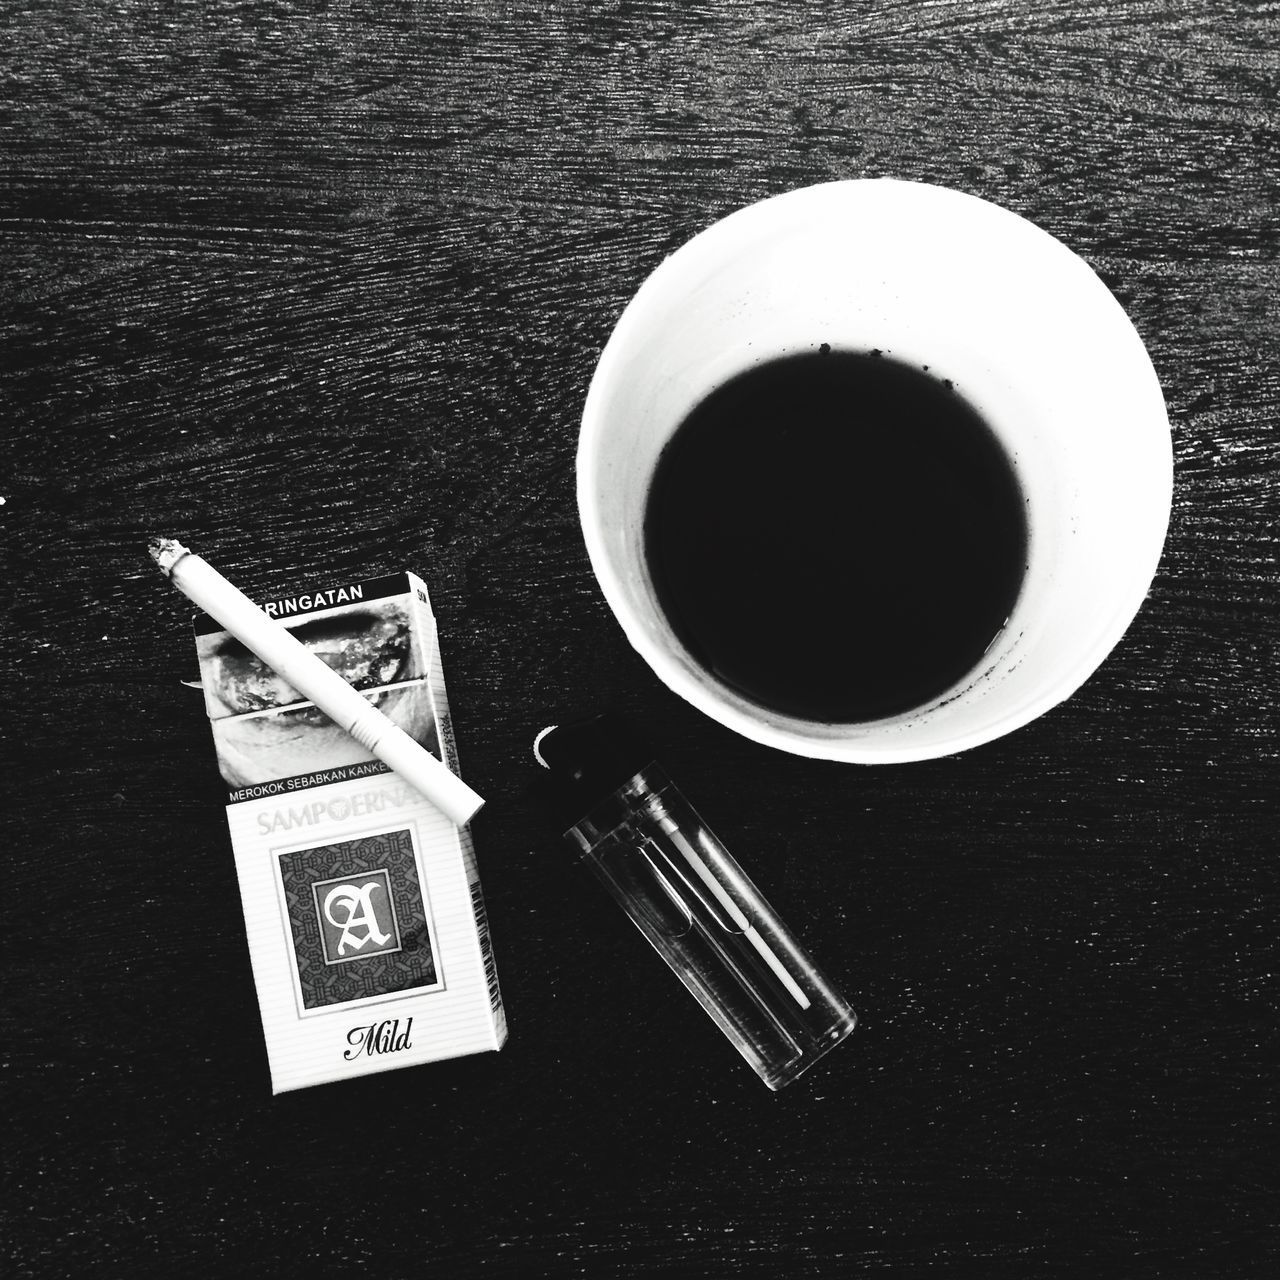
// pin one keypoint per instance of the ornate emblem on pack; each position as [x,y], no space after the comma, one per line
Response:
[357,916]
[359,919]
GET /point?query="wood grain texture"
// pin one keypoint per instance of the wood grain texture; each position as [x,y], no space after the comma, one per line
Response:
[320,288]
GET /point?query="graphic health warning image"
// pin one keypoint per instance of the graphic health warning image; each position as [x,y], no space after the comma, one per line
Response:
[263,728]
[359,919]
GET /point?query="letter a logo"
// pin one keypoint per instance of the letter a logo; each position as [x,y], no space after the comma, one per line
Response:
[356,916]
[354,911]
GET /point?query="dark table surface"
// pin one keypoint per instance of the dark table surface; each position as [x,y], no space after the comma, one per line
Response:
[321,292]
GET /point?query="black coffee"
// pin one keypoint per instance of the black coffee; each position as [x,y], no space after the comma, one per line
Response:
[836,535]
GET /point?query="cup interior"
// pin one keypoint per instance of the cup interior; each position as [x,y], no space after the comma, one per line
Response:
[931,277]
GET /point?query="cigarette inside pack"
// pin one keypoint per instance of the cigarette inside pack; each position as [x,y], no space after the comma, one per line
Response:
[362,901]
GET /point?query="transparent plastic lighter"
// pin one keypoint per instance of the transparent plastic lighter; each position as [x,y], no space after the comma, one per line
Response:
[685,892]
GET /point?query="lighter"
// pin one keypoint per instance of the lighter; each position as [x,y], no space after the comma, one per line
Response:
[685,892]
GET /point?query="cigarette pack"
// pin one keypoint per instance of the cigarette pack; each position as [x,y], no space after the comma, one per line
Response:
[362,902]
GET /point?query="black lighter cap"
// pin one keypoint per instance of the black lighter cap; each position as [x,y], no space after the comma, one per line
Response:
[588,760]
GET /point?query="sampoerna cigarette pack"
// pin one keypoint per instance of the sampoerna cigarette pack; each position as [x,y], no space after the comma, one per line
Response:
[362,901]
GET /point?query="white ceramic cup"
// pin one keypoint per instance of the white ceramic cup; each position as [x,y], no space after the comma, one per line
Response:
[929,276]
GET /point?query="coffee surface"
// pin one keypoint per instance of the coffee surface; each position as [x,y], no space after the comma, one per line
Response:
[837,535]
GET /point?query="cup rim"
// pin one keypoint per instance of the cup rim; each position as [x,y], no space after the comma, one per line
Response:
[870,742]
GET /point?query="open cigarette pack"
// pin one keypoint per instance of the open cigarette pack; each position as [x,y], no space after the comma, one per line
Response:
[362,902]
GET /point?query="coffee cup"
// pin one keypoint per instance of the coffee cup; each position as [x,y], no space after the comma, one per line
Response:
[995,310]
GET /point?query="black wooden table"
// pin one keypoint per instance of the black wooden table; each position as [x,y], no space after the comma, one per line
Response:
[321,293]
